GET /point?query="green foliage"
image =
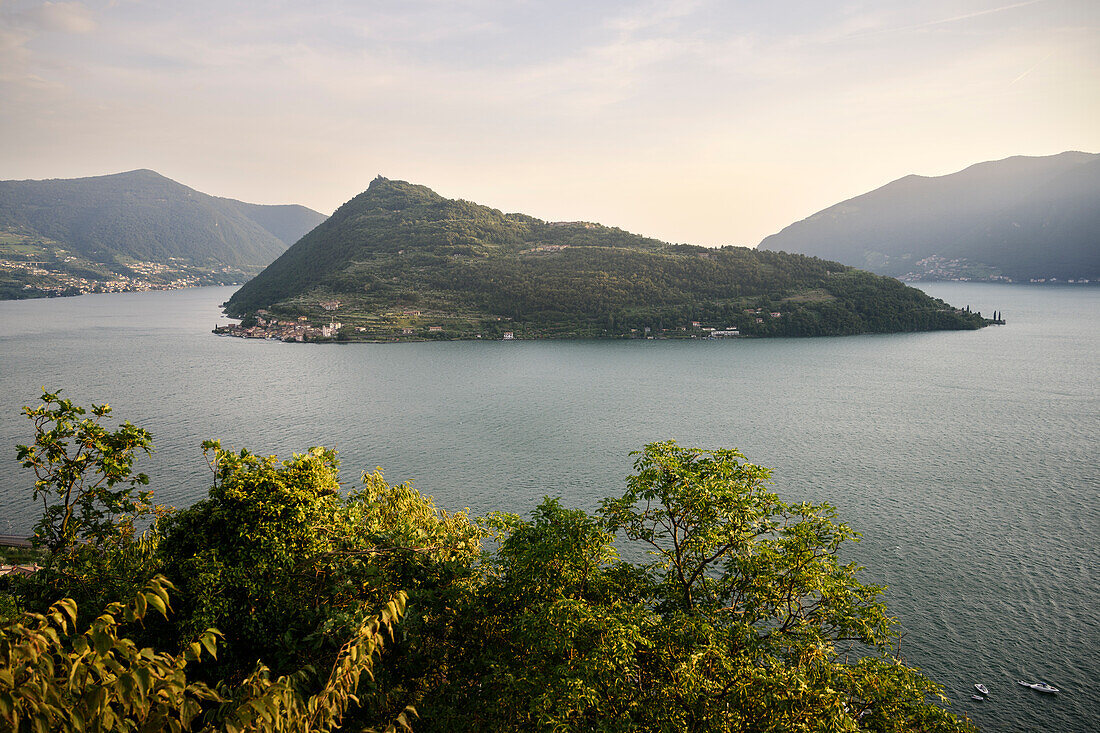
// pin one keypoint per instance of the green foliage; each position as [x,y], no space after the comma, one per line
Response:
[98,680]
[102,681]
[744,618]
[288,566]
[260,704]
[78,463]
[551,637]
[243,555]
[701,510]
[557,555]
[9,609]
[483,272]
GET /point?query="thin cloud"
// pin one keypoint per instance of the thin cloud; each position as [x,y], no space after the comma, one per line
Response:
[1033,68]
[64,17]
[976,14]
[654,15]
[945,21]
[20,28]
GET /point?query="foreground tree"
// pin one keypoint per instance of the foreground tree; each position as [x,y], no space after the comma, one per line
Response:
[84,474]
[764,627]
[52,678]
[744,618]
[695,510]
[288,566]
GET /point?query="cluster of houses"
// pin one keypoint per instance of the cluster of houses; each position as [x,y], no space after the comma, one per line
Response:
[272,328]
[937,267]
[715,333]
[708,331]
[759,314]
[7,568]
[25,569]
[59,282]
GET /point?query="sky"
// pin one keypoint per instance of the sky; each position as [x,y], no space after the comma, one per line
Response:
[711,122]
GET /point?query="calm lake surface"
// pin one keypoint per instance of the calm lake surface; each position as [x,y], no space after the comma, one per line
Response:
[968,460]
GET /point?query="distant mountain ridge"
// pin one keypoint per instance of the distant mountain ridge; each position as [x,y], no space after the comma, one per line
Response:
[143,215]
[287,222]
[400,261]
[1019,218]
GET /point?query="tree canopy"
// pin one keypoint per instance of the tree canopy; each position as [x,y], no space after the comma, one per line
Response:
[275,595]
[77,464]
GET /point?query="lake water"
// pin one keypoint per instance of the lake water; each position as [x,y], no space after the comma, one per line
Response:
[968,460]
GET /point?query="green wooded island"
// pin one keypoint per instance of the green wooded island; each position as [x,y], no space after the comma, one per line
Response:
[401,262]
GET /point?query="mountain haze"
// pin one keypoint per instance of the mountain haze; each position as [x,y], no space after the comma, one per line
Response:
[141,215]
[1017,218]
[401,260]
[287,222]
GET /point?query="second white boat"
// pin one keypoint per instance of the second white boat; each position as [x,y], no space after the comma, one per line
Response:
[1039,686]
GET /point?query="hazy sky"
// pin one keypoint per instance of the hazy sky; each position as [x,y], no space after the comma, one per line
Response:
[711,122]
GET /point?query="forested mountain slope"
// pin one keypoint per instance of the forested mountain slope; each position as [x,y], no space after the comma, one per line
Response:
[1019,218]
[141,215]
[399,259]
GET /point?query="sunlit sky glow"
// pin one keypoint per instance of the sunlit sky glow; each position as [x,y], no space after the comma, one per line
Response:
[711,122]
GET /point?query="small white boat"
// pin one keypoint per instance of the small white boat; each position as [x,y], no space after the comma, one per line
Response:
[981,688]
[976,697]
[1039,686]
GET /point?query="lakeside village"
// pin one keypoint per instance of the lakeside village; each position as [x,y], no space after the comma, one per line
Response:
[54,282]
[941,269]
[266,326]
[17,556]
